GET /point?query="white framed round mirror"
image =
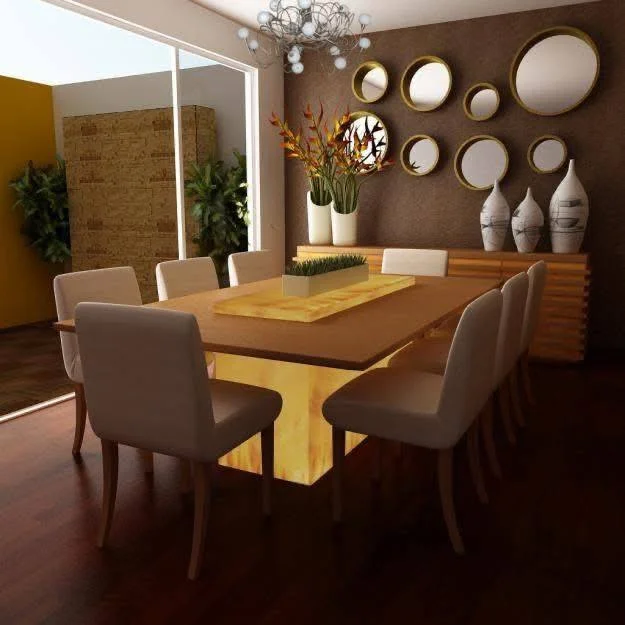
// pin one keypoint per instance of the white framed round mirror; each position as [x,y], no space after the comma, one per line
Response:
[370,82]
[555,71]
[547,154]
[419,155]
[481,102]
[480,161]
[362,123]
[426,83]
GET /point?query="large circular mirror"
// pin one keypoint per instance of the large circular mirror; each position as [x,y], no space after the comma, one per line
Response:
[419,155]
[370,82]
[547,154]
[481,102]
[426,83]
[555,71]
[481,161]
[365,124]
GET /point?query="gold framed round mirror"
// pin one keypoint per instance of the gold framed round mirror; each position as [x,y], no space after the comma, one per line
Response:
[555,71]
[370,82]
[481,102]
[547,154]
[363,122]
[419,155]
[480,161]
[426,84]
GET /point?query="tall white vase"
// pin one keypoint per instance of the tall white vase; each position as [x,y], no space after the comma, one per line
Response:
[319,222]
[568,214]
[527,223]
[494,220]
[344,228]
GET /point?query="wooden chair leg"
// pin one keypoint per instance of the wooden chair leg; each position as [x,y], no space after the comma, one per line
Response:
[267,459]
[81,418]
[486,422]
[446,490]
[110,463]
[526,380]
[473,449]
[503,400]
[147,460]
[516,397]
[201,481]
[338,459]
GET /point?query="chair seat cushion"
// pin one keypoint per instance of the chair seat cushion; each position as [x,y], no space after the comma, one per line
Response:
[426,355]
[240,411]
[398,404]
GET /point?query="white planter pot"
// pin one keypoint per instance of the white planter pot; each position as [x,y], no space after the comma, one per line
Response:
[344,228]
[494,220]
[568,214]
[527,223]
[305,286]
[319,222]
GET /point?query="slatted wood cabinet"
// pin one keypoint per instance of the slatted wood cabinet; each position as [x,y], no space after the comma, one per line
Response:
[562,329]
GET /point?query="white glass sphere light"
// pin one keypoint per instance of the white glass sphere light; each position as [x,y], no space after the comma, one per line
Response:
[304,4]
[253,44]
[364,43]
[264,17]
[243,33]
[364,19]
[335,51]
[294,55]
[297,68]
[340,62]
[308,29]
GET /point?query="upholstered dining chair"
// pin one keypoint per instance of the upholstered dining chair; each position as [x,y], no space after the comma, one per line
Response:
[415,262]
[117,285]
[147,387]
[425,409]
[244,267]
[177,278]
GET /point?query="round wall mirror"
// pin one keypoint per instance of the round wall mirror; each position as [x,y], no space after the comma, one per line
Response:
[547,154]
[364,122]
[370,82]
[481,102]
[555,71]
[480,161]
[419,155]
[426,83]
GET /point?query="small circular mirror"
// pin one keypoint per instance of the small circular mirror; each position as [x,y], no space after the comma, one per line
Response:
[481,102]
[480,161]
[367,124]
[555,71]
[426,83]
[370,82]
[419,155]
[547,154]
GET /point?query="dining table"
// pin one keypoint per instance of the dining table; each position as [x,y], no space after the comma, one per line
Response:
[309,358]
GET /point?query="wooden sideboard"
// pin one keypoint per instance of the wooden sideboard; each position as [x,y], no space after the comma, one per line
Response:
[562,327]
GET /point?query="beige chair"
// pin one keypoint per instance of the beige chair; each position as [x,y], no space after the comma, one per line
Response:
[117,285]
[147,387]
[414,262]
[244,267]
[177,278]
[425,409]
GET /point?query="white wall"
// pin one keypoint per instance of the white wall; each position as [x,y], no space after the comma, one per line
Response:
[188,23]
[215,86]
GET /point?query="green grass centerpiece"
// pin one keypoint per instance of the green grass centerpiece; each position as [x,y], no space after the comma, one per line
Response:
[306,278]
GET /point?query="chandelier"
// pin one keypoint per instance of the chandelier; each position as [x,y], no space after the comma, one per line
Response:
[295,29]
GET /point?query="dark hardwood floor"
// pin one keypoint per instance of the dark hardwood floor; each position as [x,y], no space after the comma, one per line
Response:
[548,549]
[32,367]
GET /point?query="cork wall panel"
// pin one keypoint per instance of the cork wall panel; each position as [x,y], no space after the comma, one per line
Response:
[435,210]
[122,187]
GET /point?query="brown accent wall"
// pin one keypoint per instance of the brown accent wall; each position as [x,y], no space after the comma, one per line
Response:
[122,187]
[435,210]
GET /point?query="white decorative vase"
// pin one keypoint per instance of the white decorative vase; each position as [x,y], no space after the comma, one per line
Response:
[494,220]
[527,223]
[344,228]
[319,222]
[568,214]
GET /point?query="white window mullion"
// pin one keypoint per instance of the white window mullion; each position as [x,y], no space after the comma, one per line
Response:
[178,154]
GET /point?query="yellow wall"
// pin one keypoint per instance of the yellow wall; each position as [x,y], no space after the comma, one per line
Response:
[26,133]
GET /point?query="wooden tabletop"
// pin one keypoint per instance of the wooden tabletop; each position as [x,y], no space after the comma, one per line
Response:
[354,339]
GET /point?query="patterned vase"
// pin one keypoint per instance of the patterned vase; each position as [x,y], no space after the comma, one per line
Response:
[568,214]
[494,220]
[527,223]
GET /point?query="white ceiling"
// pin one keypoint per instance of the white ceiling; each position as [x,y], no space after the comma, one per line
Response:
[389,14]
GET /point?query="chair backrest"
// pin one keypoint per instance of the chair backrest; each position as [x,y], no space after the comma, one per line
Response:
[514,293]
[177,278]
[117,285]
[244,267]
[537,275]
[468,379]
[413,262]
[146,382]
